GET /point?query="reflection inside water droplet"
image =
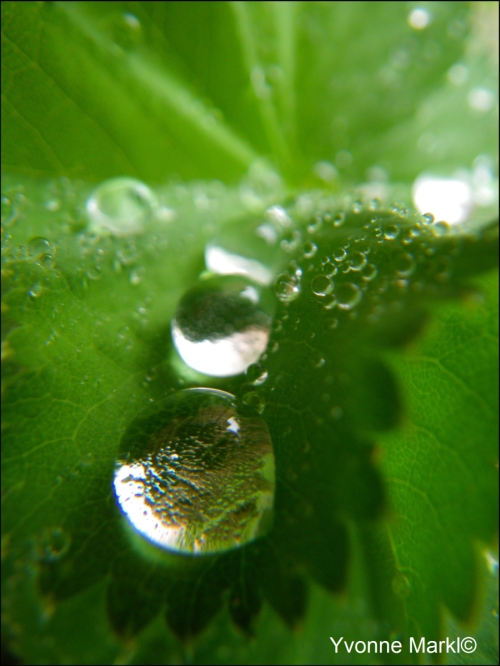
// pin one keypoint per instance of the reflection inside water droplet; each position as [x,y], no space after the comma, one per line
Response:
[199,476]
[222,325]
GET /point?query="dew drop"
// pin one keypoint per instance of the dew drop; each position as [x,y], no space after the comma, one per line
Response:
[391,232]
[328,267]
[222,325]
[330,302]
[309,250]
[369,272]
[339,254]
[53,544]
[254,400]
[287,287]
[339,220]
[42,251]
[404,264]
[120,206]
[256,374]
[357,261]
[321,285]
[348,295]
[440,229]
[357,206]
[36,289]
[198,477]
[94,272]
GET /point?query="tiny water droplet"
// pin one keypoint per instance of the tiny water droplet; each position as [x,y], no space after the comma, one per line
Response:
[94,272]
[339,254]
[348,295]
[357,206]
[369,272]
[136,276]
[127,254]
[339,220]
[287,287]
[36,289]
[309,250]
[198,477]
[256,374]
[125,30]
[328,267]
[330,302]
[404,264]
[426,219]
[53,544]
[440,229]
[42,251]
[316,224]
[321,285]
[391,232]
[222,325]
[357,261]
[120,206]
[254,400]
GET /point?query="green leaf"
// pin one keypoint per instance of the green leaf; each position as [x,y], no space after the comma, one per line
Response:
[381,368]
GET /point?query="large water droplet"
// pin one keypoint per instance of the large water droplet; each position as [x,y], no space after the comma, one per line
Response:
[199,476]
[222,325]
[120,206]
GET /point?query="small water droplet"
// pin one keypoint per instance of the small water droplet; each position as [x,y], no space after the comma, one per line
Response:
[440,229]
[120,206]
[426,219]
[321,285]
[127,254]
[53,544]
[254,400]
[287,287]
[339,254]
[339,220]
[336,413]
[42,251]
[357,261]
[330,302]
[348,295]
[36,289]
[309,250]
[94,272]
[256,374]
[357,206]
[391,232]
[222,325]
[125,31]
[197,477]
[316,224]
[328,267]
[136,275]
[404,264]
[369,272]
